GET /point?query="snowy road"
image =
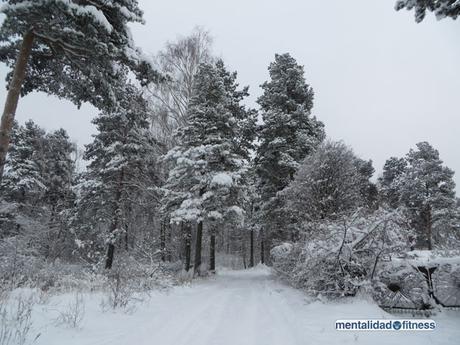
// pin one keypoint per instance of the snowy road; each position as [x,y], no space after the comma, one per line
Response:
[239,308]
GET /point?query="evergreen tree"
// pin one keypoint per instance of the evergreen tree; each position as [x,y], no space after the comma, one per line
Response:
[427,190]
[389,191]
[441,8]
[58,177]
[288,134]
[76,50]
[121,158]
[60,167]
[209,163]
[25,181]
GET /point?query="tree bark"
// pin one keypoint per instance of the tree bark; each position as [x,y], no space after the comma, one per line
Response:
[163,240]
[169,238]
[12,97]
[212,252]
[251,249]
[262,248]
[429,230]
[198,244]
[115,222]
[188,245]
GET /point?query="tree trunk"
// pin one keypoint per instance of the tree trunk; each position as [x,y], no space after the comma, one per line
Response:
[212,252]
[163,240]
[198,244]
[12,97]
[262,249]
[115,222]
[429,231]
[169,238]
[188,245]
[251,249]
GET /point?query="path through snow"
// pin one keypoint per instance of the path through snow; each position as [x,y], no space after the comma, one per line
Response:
[238,308]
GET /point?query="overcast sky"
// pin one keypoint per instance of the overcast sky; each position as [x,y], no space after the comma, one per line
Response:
[382,82]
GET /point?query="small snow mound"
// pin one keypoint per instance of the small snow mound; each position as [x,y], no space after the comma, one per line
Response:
[222,179]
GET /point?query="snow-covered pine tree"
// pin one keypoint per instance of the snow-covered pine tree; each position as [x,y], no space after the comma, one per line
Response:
[119,174]
[24,179]
[288,134]
[72,49]
[58,177]
[427,190]
[441,8]
[208,165]
[389,191]
[35,192]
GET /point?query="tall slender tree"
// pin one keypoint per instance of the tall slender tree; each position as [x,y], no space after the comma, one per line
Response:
[288,134]
[121,158]
[427,190]
[209,163]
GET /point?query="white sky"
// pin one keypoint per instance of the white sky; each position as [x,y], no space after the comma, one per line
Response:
[382,82]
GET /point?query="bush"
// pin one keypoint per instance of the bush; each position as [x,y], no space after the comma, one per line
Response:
[74,313]
[15,320]
[339,257]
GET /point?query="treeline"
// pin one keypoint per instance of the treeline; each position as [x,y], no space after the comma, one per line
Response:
[182,169]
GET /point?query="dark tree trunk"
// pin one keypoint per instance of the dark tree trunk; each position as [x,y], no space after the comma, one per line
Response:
[251,248]
[188,245]
[110,255]
[12,97]
[163,240]
[212,252]
[198,244]
[115,222]
[429,228]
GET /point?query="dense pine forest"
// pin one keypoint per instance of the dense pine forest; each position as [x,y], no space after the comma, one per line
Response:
[183,178]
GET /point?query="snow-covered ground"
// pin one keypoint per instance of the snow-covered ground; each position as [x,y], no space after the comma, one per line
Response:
[233,308]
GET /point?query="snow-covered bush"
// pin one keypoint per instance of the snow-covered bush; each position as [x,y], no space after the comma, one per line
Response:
[74,313]
[15,319]
[285,258]
[339,257]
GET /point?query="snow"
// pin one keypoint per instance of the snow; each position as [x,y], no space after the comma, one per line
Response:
[248,307]
[222,179]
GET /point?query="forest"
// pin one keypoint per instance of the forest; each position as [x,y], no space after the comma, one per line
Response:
[184,178]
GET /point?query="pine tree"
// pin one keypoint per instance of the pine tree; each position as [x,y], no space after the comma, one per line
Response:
[441,8]
[209,163]
[58,178]
[24,179]
[288,134]
[121,158]
[76,50]
[389,192]
[427,190]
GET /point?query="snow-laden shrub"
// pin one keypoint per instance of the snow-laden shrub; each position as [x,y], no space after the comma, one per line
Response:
[130,281]
[15,319]
[285,257]
[338,257]
[74,312]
